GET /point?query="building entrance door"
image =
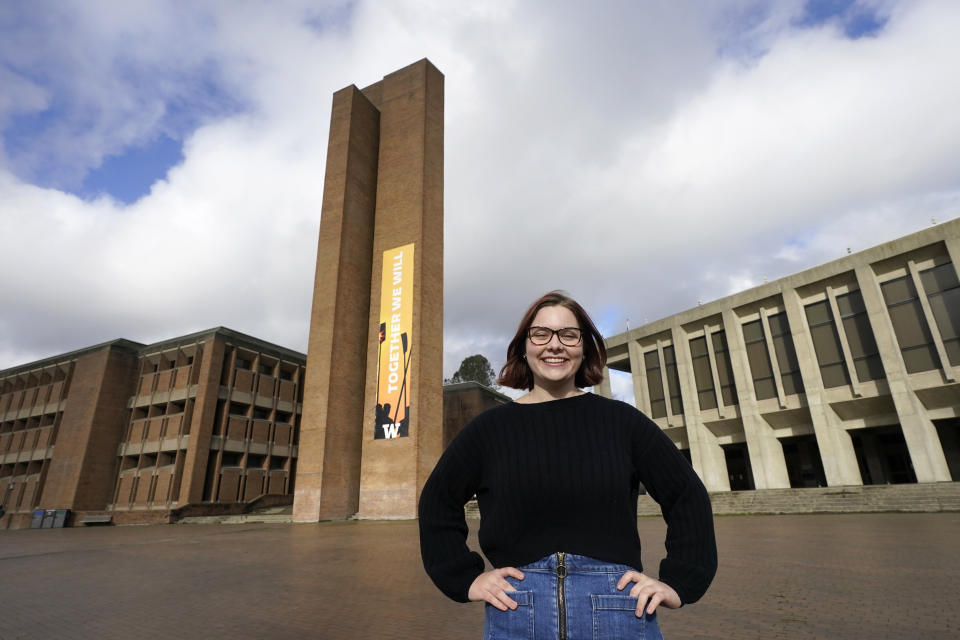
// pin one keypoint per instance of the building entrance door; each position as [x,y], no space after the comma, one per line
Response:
[883,456]
[738,466]
[804,466]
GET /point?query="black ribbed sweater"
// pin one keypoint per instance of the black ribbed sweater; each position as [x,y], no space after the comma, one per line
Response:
[563,475]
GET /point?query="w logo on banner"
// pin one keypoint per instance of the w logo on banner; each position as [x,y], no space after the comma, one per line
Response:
[390,430]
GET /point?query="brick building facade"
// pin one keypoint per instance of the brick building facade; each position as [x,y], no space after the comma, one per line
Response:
[136,431]
[204,423]
[464,400]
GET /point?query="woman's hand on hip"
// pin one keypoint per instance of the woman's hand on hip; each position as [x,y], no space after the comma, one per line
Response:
[493,587]
[650,593]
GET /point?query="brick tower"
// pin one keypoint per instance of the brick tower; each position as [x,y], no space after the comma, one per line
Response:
[372,413]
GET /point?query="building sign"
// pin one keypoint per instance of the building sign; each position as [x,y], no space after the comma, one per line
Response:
[395,344]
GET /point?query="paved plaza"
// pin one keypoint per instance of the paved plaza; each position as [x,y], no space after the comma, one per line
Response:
[813,576]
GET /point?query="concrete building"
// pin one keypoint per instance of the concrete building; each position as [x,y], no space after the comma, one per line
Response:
[843,374]
[136,431]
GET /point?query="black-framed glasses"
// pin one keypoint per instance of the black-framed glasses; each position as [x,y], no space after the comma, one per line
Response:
[568,336]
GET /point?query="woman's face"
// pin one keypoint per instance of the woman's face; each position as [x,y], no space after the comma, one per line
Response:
[554,364]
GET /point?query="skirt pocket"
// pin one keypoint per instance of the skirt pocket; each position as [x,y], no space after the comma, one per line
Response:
[515,624]
[614,616]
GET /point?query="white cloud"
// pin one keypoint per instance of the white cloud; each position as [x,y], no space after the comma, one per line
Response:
[632,156]
[621,386]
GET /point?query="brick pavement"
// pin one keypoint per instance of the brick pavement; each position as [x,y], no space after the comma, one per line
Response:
[813,576]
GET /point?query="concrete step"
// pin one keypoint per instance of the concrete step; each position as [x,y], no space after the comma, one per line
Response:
[926,497]
[246,518]
[284,509]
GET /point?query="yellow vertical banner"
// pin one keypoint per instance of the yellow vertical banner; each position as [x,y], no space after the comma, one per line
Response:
[395,344]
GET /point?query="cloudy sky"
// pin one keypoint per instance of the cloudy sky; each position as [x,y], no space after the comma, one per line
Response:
[161,161]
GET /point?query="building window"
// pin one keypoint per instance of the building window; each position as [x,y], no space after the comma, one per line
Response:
[230,459]
[826,344]
[673,381]
[943,293]
[728,388]
[909,325]
[658,404]
[706,395]
[786,354]
[759,360]
[856,326]
[700,354]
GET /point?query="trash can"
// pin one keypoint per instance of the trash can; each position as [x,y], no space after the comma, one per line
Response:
[49,515]
[60,518]
[37,521]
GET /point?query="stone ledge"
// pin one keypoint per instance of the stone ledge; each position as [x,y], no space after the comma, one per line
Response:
[915,498]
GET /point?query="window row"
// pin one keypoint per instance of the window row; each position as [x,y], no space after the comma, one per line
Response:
[262,364]
[906,308]
[33,398]
[32,380]
[33,422]
[840,331]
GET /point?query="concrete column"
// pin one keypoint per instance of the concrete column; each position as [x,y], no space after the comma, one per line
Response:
[331,427]
[638,371]
[766,455]
[836,447]
[603,387]
[705,454]
[409,210]
[923,443]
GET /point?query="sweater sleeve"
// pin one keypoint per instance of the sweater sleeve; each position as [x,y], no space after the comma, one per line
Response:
[691,561]
[443,527]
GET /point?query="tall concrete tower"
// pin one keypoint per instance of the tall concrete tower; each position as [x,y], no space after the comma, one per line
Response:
[371,429]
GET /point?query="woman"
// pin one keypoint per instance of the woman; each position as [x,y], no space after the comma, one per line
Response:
[557,474]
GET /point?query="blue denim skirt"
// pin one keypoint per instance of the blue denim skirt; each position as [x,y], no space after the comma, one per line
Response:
[570,597]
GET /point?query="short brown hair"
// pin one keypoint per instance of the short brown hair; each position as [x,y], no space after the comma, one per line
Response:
[516,372]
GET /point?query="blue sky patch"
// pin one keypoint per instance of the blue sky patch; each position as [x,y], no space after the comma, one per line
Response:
[128,177]
[857,21]
[24,128]
[864,24]
[336,18]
